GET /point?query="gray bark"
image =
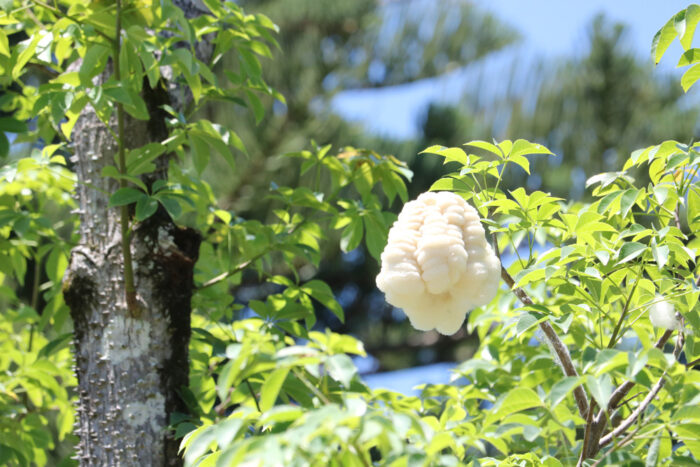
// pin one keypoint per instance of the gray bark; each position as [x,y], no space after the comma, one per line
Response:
[130,369]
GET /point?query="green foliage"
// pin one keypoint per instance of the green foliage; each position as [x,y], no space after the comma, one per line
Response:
[36,235]
[275,388]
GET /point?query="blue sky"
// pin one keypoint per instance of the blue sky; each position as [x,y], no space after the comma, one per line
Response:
[549,28]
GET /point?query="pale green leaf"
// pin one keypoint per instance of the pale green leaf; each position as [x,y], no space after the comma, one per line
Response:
[271,388]
[690,77]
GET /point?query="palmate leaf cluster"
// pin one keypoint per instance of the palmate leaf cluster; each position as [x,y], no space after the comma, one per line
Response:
[267,385]
[36,235]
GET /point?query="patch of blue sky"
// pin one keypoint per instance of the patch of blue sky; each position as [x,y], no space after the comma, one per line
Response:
[550,29]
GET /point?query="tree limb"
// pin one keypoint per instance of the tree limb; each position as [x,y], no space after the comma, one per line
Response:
[632,418]
[560,349]
[598,425]
[625,387]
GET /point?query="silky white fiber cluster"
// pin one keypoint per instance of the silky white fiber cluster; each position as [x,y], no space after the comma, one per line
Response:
[663,315]
[437,264]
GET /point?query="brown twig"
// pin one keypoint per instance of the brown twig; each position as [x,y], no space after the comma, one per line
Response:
[587,435]
[618,326]
[560,349]
[600,422]
[632,418]
[624,442]
[625,387]
[225,275]
[677,218]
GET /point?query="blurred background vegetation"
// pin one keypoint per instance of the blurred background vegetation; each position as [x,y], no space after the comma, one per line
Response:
[592,109]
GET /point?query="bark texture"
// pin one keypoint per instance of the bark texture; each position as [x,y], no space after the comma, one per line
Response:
[130,368]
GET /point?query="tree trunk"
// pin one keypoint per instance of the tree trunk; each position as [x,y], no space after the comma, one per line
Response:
[130,368]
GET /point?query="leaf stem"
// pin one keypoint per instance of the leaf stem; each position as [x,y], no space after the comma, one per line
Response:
[130,289]
[618,326]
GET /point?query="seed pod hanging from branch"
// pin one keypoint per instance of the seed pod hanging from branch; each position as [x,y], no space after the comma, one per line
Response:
[437,264]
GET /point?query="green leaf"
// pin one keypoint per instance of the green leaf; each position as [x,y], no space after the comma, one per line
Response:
[139,161]
[200,152]
[525,148]
[518,399]
[341,368]
[660,254]
[689,57]
[113,172]
[28,47]
[55,345]
[693,211]
[258,109]
[145,208]
[375,235]
[226,431]
[450,154]
[351,235]
[653,453]
[271,388]
[627,201]
[485,147]
[126,196]
[525,322]
[92,63]
[690,77]
[601,388]
[561,389]
[663,39]
[631,250]
[171,204]
[322,292]
[12,125]
[685,25]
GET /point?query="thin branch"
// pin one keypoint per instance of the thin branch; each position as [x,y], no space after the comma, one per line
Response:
[225,275]
[129,287]
[677,218]
[632,418]
[601,419]
[627,386]
[587,435]
[311,387]
[625,310]
[624,442]
[252,393]
[559,348]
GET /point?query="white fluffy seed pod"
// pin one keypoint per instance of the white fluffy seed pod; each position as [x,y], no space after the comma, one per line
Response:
[663,315]
[437,264]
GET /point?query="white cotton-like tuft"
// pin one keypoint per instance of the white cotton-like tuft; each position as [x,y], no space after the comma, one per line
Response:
[437,264]
[663,315]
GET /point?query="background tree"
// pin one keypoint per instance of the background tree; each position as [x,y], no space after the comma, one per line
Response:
[597,109]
